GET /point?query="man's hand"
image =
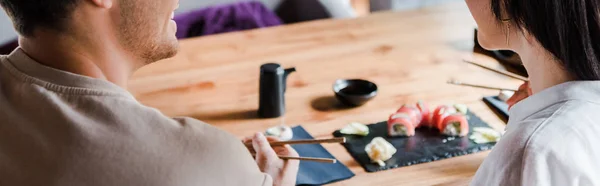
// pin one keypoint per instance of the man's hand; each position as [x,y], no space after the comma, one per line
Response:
[523,92]
[283,172]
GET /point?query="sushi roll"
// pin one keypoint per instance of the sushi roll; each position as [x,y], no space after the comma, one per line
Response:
[440,113]
[400,124]
[414,113]
[455,125]
[426,114]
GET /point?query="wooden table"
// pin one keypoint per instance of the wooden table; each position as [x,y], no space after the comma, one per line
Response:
[410,55]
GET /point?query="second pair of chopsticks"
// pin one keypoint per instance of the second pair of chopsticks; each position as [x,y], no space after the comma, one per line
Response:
[503,72]
[300,142]
[454,82]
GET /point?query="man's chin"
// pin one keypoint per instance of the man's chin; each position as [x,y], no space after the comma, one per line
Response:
[174,49]
[163,52]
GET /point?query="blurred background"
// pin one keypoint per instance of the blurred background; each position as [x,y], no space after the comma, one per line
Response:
[289,11]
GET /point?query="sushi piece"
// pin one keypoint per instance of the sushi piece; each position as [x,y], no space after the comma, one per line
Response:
[482,135]
[355,128]
[461,108]
[426,114]
[380,150]
[400,124]
[284,133]
[455,125]
[414,113]
[440,113]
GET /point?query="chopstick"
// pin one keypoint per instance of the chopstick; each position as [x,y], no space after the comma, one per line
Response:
[311,141]
[320,160]
[300,142]
[453,82]
[503,72]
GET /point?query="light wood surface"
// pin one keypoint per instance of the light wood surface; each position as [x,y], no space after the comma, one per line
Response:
[410,55]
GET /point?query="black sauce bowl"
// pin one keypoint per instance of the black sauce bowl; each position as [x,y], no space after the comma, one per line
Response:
[354,92]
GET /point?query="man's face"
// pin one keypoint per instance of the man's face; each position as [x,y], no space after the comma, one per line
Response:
[146,28]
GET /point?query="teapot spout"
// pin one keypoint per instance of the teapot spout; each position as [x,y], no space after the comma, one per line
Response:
[289,71]
[285,76]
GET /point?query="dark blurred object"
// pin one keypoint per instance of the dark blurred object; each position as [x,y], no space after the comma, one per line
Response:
[225,18]
[294,11]
[273,80]
[354,92]
[500,107]
[381,5]
[508,58]
[9,47]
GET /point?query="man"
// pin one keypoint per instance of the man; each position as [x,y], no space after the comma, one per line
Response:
[66,119]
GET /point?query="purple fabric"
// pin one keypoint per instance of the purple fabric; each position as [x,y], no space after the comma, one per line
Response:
[225,18]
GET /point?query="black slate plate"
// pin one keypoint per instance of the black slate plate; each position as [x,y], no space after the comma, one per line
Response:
[426,146]
[500,106]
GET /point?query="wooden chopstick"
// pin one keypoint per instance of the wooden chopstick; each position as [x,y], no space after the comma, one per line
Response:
[299,142]
[503,72]
[311,141]
[320,160]
[478,86]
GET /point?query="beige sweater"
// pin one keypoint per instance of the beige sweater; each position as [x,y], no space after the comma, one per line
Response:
[59,128]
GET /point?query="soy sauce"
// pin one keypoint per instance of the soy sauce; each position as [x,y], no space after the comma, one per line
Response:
[356,90]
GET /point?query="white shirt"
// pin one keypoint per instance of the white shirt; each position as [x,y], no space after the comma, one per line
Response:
[552,138]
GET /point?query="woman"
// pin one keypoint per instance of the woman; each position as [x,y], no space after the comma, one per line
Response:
[553,134]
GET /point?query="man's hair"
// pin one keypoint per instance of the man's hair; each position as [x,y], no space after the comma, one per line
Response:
[28,15]
[568,29]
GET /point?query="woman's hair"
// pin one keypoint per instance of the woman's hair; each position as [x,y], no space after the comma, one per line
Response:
[569,29]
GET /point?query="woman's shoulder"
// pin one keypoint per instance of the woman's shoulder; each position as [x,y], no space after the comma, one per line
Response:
[563,125]
[539,149]
[566,121]
[562,147]
[561,131]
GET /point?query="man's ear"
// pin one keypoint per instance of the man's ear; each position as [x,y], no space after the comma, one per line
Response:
[102,3]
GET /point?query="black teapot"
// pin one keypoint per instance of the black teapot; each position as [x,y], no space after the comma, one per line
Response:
[273,80]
